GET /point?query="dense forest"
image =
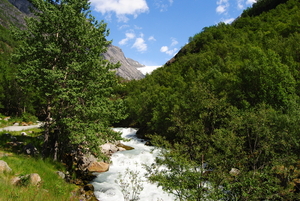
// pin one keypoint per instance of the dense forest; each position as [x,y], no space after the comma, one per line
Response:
[225,108]
[228,104]
[52,70]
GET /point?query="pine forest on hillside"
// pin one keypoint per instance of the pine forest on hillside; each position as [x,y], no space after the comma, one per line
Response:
[226,108]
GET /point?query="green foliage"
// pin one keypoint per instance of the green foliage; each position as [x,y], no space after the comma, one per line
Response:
[229,100]
[6,45]
[26,117]
[262,6]
[59,58]
[131,185]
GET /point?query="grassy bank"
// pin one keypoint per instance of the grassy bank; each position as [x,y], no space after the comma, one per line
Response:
[52,186]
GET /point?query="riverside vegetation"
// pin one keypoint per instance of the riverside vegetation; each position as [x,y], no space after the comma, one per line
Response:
[52,68]
[52,187]
[225,108]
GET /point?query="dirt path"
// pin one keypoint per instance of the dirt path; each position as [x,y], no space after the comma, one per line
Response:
[20,128]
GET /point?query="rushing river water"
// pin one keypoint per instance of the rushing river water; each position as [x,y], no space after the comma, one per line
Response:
[116,184]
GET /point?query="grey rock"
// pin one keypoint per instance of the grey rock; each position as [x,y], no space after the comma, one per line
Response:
[33,179]
[4,167]
[109,148]
[234,172]
[22,5]
[15,180]
[14,12]
[85,160]
[61,174]
[128,69]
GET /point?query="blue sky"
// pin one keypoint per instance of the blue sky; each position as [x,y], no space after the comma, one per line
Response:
[153,31]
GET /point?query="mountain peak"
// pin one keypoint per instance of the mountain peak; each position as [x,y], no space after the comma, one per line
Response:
[128,68]
[15,11]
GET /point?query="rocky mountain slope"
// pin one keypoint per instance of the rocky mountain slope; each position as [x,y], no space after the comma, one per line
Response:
[128,68]
[14,12]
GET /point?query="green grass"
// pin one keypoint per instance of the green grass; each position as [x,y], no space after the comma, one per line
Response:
[52,187]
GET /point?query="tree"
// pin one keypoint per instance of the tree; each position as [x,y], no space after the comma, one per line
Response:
[60,57]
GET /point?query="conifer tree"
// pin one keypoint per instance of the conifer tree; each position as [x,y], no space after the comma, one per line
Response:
[60,57]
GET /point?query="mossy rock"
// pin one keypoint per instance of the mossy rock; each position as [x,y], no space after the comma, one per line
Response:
[125,146]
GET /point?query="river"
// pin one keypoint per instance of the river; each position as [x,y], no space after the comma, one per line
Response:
[126,179]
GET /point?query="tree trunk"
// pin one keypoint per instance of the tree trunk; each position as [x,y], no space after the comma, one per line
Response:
[46,147]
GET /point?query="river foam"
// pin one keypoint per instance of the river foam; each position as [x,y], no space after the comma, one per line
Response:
[127,172]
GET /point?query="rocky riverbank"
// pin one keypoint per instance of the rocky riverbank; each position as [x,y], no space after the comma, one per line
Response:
[86,165]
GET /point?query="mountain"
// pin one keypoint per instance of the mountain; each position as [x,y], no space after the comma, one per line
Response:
[128,68]
[15,11]
[22,5]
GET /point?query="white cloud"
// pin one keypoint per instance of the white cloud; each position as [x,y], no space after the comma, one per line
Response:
[228,21]
[240,4]
[137,27]
[174,42]
[139,42]
[123,41]
[221,9]
[250,1]
[168,50]
[163,5]
[164,49]
[140,45]
[124,26]
[121,7]
[151,38]
[129,35]
[222,6]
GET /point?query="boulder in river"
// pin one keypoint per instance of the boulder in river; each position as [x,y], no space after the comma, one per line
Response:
[110,148]
[98,167]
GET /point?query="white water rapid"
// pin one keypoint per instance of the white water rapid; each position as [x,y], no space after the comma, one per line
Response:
[116,185]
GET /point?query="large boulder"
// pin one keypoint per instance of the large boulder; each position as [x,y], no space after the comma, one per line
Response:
[98,167]
[85,160]
[110,148]
[34,179]
[4,167]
